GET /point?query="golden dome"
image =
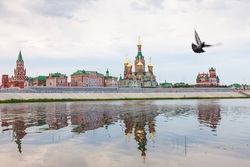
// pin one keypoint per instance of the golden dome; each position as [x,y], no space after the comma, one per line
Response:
[150,65]
[126,62]
[139,63]
[129,65]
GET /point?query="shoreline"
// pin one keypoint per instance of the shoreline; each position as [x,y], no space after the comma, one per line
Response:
[72,96]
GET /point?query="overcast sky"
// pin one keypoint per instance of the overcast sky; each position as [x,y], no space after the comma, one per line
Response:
[65,35]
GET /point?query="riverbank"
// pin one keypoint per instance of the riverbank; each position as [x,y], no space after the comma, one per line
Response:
[70,96]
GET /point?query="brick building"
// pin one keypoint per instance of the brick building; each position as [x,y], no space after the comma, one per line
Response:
[83,78]
[110,81]
[57,80]
[208,79]
[19,75]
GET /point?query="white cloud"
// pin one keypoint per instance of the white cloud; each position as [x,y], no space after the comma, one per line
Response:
[100,33]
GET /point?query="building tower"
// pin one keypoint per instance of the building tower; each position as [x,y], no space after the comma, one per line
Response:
[150,67]
[212,72]
[125,67]
[138,78]
[20,72]
[139,58]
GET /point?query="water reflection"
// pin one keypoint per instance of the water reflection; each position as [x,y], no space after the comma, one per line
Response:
[81,117]
[151,129]
[209,114]
[139,121]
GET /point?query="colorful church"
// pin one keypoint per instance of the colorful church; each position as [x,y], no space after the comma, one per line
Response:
[208,80]
[140,78]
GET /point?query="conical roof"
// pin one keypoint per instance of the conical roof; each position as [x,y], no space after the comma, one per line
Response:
[20,57]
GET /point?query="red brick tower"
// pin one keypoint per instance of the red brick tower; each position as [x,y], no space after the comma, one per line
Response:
[20,72]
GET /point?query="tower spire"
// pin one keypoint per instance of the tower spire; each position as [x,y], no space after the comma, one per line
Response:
[20,57]
[139,54]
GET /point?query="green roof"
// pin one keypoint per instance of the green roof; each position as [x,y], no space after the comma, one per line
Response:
[139,54]
[180,84]
[29,78]
[84,72]
[109,77]
[212,68]
[20,58]
[166,84]
[235,85]
[41,78]
[198,78]
[120,78]
[207,78]
[146,79]
[58,75]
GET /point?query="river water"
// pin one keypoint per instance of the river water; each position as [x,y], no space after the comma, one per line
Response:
[157,133]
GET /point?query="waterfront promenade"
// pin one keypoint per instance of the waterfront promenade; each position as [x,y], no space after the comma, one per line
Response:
[119,93]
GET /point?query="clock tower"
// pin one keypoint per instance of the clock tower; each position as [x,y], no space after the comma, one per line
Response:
[19,71]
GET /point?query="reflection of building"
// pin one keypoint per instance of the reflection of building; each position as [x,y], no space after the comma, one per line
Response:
[56,118]
[206,79]
[90,120]
[209,115]
[19,132]
[15,121]
[138,122]
[139,78]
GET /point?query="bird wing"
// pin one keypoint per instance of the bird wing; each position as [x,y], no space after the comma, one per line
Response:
[194,47]
[197,38]
[207,45]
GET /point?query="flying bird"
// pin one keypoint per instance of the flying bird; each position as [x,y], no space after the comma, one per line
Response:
[200,45]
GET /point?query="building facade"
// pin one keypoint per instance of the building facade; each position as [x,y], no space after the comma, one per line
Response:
[19,75]
[208,79]
[5,81]
[83,78]
[110,81]
[57,80]
[139,78]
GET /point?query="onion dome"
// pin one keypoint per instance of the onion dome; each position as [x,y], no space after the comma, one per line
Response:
[139,63]
[129,65]
[150,64]
[126,61]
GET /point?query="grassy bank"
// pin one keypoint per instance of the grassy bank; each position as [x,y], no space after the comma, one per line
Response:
[111,99]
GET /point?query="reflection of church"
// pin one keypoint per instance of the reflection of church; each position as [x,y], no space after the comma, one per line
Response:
[16,120]
[139,123]
[139,78]
[16,123]
[209,115]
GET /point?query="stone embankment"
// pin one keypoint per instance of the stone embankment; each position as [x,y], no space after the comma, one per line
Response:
[118,93]
[103,96]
